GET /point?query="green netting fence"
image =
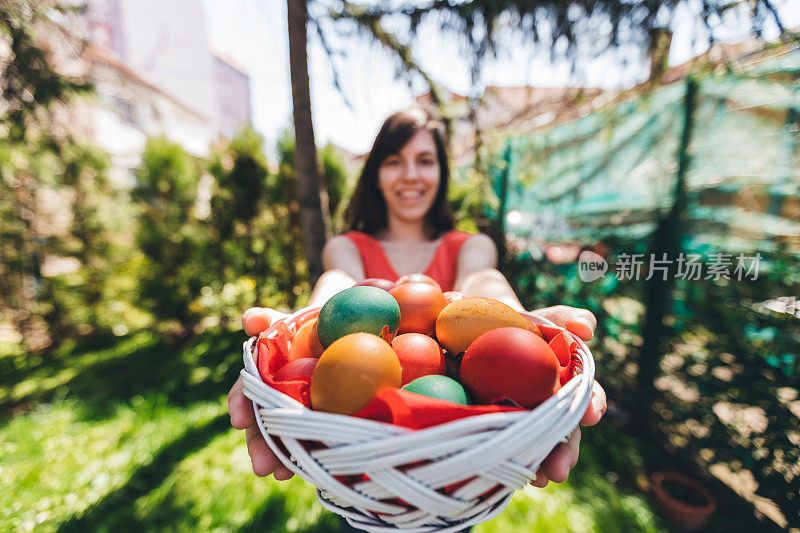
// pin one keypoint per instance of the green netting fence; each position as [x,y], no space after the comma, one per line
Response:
[689,196]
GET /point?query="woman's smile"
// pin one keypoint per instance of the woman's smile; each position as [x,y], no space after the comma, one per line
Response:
[411,194]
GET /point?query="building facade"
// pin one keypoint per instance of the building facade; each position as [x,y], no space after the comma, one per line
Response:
[166,43]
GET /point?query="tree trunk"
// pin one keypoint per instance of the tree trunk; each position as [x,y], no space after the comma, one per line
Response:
[308,178]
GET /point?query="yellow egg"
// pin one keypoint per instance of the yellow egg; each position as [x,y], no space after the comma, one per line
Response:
[351,371]
[462,321]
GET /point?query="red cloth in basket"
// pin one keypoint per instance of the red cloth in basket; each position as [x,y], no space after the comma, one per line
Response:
[394,406]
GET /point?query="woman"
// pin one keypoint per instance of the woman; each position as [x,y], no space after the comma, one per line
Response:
[400,223]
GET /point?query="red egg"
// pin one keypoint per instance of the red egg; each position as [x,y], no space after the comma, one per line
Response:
[419,356]
[381,283]
[417,278]
[299,368]
[511,363]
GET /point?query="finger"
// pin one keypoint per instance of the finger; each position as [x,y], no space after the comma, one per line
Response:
[541,479]
[247,314]
[239,407]
[264,461]
[282,473]
[597,406]
[558,464]
[581,322]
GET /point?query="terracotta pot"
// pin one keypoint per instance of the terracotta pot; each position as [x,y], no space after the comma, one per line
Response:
[688,516]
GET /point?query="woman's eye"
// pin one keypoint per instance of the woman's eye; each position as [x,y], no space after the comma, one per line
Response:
[391,162]
[427,162]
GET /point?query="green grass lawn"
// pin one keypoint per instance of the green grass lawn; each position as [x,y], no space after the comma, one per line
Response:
[132,434]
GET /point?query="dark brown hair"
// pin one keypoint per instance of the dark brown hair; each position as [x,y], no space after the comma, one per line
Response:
[367,209]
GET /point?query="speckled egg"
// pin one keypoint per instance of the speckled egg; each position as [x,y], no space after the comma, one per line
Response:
[462,321]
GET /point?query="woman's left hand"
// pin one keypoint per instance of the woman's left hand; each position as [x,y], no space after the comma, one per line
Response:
[557,465]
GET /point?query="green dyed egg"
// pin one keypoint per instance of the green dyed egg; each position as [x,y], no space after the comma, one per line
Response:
[358,309]
[440,387]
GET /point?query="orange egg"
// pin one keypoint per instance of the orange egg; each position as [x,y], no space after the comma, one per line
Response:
[463,321]
[351,371]
[420,304]
[419,356]
[417,278]
[306,341]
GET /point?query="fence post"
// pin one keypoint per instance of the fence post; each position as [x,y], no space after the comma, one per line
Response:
[666,239]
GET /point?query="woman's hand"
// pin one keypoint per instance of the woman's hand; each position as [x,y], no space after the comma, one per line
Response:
[258,319]
[242,417]
[581,322]
[557,465]
[255,320]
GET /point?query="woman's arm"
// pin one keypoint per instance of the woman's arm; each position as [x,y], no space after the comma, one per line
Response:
[477,273]
[478,276]
[343,268]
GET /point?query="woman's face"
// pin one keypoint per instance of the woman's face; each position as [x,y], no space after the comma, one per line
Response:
[409,180]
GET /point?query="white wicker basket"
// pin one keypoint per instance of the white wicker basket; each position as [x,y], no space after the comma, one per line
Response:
[491,455]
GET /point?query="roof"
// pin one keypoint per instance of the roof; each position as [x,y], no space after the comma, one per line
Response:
[228,60]
[93,54]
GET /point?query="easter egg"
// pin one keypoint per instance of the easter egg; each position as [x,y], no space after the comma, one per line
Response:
[351,371]
[462,321]
[381,283]
[419,356]
[417,278]
[440,387]
[306,341]
[420,304]
[299,368]
[358,309]
[510,363]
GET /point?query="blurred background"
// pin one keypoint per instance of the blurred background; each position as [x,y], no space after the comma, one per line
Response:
[166,165]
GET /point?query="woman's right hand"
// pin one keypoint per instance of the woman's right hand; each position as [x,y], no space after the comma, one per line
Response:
[254,321]
[257,319]
[242,417]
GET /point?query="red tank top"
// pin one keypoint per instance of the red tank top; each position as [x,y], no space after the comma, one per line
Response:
[442,268]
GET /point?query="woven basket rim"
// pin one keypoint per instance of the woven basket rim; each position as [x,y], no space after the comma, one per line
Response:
[252,369]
